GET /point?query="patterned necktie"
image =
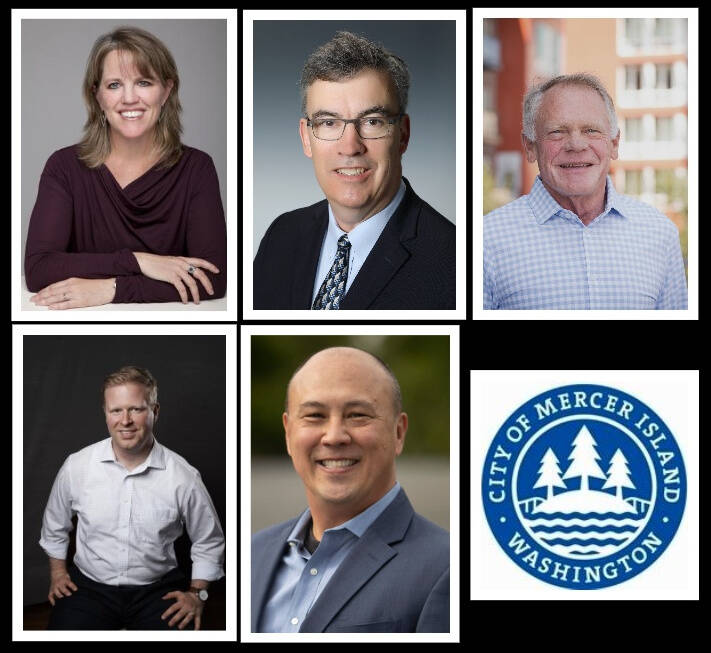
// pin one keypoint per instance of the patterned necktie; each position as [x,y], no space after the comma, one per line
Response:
[333,287]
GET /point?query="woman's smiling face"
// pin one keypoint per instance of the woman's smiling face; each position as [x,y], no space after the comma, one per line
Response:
[132,102]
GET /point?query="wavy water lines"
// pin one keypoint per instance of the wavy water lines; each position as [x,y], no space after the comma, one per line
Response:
[578,536]
[576,521]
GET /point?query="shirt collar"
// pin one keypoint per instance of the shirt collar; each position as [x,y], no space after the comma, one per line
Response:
[364,235]
[356,525]
[156,457]
[545,207]
[614,200]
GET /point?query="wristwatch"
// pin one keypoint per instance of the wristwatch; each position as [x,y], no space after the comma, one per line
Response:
[201,593]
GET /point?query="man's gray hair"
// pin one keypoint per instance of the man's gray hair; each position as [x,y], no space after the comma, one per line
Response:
[346,55]
[534,97]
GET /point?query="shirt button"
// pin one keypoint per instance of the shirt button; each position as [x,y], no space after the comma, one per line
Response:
[314,572]
[294,621]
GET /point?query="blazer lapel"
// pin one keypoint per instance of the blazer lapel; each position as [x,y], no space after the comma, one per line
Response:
[387,256]
[305,267]
[369,554]
[264,566]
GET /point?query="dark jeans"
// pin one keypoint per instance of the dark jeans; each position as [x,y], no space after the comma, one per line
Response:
[95,606]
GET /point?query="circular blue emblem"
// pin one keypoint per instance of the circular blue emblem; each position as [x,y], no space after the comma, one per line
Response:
[584,486]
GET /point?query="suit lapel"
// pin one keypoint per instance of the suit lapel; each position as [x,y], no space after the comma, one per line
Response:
[264,566]
[369,554]
[305,267]
[388,255]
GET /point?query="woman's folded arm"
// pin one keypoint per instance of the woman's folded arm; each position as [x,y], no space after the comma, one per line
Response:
[48,237]
[50,234]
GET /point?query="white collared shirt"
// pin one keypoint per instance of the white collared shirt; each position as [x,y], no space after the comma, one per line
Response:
[127,521]
[362,239]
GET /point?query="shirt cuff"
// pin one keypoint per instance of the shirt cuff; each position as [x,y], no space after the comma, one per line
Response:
[126,263]
[58,551]
[207,571]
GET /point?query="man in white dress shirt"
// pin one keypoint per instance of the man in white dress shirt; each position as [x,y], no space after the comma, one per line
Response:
[132,497]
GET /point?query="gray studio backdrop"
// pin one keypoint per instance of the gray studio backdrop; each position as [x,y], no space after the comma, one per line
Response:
[283,177]
[54,54]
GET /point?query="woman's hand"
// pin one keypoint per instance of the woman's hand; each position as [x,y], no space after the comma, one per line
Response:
[174,269]
[76,293]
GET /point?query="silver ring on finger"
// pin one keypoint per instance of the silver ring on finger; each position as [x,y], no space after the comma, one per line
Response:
[191,270]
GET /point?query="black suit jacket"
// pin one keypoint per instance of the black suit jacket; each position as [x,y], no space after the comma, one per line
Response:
[411,266]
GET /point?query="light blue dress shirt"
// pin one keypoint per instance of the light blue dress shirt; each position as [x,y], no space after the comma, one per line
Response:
[362,239]
[301,577]
[538,255]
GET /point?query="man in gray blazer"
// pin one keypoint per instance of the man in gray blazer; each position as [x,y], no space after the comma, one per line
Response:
[359,559]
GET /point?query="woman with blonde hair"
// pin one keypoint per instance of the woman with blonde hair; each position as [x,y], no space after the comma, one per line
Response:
[129,214]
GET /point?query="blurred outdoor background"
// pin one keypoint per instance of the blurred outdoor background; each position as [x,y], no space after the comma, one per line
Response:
[421,365]
[643,64]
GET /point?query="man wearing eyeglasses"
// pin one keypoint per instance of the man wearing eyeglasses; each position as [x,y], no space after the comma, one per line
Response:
[373,243]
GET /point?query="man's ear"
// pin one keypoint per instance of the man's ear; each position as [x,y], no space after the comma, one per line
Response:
[305,140]
[285,422]
[156,410]
[615,145]
[530,149]
[404,133]
[400,431]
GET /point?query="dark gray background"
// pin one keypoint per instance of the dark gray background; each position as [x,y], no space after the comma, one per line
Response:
[283,177]
[62,378]
[54,54]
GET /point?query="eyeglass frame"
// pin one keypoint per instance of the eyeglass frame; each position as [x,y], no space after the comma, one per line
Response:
[392,119]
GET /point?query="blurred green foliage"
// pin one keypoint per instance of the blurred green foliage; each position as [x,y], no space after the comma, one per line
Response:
[420,363]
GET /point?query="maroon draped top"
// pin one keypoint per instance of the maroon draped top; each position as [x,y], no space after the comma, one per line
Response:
[85,225]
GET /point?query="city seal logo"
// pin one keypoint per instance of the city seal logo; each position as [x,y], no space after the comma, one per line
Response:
[584,486]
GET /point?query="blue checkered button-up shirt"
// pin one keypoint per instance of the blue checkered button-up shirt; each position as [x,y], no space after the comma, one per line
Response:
[538,255]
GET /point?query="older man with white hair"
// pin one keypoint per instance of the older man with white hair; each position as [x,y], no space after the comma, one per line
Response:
[573,242]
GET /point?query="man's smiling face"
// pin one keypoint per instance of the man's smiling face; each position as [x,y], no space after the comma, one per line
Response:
[358,176]
[130,419]
[573,145]
[343,430]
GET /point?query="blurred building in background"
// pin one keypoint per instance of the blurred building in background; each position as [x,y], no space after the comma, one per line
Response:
[643,64]
[517,51]
[651,99]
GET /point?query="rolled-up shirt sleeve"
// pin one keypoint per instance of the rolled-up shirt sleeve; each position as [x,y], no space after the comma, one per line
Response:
[205,532]
[57,520]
